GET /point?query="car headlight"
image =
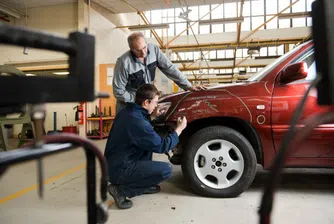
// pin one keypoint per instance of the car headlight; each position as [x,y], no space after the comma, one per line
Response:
[164,107]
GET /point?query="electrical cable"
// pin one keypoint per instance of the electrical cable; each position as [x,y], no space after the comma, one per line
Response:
[273,179]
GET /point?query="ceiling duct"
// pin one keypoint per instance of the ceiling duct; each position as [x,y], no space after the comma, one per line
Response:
[221,21]
[294,15]
[146,27]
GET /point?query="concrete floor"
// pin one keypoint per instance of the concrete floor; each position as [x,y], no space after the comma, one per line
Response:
[305,196]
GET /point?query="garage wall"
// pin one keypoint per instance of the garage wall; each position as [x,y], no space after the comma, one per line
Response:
[59,20]
[110,43]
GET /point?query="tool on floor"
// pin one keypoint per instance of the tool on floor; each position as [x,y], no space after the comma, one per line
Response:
[77,87]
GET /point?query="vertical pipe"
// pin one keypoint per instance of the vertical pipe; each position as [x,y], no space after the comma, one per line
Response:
[101,123]
[54,121]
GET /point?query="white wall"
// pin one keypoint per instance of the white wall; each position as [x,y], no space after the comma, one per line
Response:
[61,20]
[110,42]
[58,20]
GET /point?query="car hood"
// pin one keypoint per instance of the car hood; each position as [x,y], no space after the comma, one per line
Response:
[179,95]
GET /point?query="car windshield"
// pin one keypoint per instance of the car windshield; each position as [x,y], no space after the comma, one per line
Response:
[268,68]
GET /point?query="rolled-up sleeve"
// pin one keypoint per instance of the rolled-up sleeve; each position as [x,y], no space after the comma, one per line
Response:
[170,70]
[149,140]
[120,81]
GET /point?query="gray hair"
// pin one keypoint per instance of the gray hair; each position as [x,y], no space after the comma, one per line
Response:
[133,37]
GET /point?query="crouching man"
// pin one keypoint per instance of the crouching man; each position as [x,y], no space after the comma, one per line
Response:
[130,145]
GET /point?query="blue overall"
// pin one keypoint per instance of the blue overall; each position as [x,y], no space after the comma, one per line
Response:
[129,148]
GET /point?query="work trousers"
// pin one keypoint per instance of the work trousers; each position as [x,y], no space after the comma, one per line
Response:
[141,175]
[119,106]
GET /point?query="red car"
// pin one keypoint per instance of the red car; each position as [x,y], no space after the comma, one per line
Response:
[232,128]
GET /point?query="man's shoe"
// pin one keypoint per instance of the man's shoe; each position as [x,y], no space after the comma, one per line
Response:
[152,190]
[121,201]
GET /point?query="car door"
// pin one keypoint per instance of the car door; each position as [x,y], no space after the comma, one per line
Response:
[286,97]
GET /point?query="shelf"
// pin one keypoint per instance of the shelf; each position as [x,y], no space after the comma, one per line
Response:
[97,136]
[98,119]
[105,123]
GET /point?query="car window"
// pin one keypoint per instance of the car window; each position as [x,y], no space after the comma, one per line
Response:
[258,76]
[312,72]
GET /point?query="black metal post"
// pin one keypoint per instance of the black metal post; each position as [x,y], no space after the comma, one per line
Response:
[91,187]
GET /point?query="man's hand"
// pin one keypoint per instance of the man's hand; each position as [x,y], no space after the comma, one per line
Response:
[181,125]
[197,88]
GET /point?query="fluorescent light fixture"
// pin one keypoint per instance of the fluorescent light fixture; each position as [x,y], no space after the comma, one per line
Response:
[146,27]
[221,21]
[9,11]
[61,73]
[294,15]
[30,74]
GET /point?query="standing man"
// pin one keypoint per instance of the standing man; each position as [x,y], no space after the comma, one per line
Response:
[130,145]
[137,66]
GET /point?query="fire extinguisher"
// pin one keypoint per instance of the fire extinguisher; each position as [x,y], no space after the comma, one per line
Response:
[79,114]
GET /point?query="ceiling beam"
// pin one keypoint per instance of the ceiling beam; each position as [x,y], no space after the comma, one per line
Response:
[259,27]
[228,59]
[192,30]
[174,38]
[144,18]
[231,45]
[156,36]
[239,24]
[309,37]
[241,61]
[194,68]
[198,59]
[220,79]
[238,31]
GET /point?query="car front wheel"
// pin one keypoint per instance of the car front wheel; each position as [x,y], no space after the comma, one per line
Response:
[219,162]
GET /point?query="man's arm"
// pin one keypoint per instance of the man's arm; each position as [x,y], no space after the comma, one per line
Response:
[119,83]
[149,140]
[170,70]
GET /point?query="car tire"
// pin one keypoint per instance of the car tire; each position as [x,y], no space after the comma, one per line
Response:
[228,178]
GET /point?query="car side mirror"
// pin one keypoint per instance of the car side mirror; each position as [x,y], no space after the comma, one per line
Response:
[293,72]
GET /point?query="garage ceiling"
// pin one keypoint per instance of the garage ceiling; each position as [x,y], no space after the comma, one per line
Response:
[118,6]
[128,6]
[21,5]
[115,6]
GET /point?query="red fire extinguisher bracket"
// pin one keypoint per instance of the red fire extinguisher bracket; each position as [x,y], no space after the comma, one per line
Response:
[79,114]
